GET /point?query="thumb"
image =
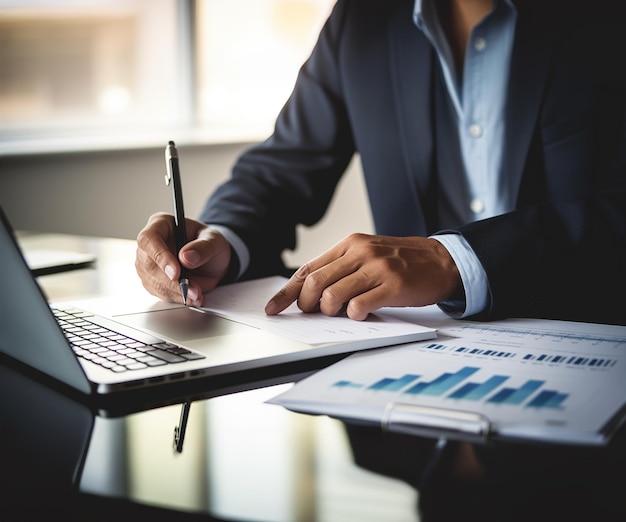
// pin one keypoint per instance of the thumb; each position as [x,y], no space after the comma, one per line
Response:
[211,246]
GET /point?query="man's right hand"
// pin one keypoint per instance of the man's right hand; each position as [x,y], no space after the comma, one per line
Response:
[206,256]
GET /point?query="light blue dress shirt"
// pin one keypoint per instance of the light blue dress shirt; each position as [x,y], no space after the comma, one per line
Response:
[479,98]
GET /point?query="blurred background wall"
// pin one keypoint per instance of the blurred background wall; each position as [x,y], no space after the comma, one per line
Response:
[91,91]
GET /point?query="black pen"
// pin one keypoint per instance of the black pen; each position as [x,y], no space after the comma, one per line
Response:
[172,178]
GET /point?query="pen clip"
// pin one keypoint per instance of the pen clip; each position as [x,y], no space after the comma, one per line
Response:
[170,154]
[179,431]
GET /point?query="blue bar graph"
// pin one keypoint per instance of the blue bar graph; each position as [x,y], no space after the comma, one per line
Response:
[443,383]
[548,399]
[444,386]
[347,384]
[436,346]
[473,391]
[516,395]
[389,384]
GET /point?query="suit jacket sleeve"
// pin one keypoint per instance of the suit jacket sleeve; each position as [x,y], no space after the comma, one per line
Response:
[565,260]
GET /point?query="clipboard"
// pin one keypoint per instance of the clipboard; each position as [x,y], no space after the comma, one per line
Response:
[540,381]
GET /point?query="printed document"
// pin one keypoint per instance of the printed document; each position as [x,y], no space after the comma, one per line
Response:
[552,381]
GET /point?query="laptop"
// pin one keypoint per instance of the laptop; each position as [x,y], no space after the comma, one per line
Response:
[103,348]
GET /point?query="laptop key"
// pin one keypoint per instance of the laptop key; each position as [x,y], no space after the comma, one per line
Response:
[179,350]
[136,366]
[166,356]
[192,356]
[165,346]
[150,360]
[116,357]
[125,362]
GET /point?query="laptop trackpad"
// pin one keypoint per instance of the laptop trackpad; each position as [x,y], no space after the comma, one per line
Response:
[183,324]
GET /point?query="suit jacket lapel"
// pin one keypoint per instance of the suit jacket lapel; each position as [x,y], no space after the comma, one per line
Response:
[531,57]
[411,62]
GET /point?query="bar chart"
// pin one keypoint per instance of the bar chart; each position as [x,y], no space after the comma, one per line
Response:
[456,385]
[474,391]
[516,395]
[527,379]
[390,384]
[443,383]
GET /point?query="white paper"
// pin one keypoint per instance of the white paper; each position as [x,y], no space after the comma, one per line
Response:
[533,379]
[245,303]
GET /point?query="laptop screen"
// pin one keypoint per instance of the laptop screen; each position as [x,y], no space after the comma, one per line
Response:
[30,332]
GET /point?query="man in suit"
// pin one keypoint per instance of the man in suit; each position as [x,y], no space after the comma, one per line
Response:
[493,143]
[376,85]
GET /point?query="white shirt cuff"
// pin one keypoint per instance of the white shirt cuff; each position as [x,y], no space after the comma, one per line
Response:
[237,245]
[473,276]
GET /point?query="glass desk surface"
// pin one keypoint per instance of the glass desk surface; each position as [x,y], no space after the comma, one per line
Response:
[241,459]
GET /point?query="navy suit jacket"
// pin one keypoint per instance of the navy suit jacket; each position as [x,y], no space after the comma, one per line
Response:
[368,89]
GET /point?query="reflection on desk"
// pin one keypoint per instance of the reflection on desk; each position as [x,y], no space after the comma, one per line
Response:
[242,460]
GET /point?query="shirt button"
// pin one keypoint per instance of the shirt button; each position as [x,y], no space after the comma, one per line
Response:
[477,206]
[480,44]
[475,130]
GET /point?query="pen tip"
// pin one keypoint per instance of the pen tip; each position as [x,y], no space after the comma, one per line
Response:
[184,286]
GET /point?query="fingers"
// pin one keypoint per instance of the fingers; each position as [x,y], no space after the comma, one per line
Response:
[363,273]
[316,281]
[206,256]
[155,280]
[209,245]
[155,262]
[154,241]
[332,289]
[361,306]
[288,293]
[353,295]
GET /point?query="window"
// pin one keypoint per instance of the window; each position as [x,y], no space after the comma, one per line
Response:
[249,53]
[80,70]
[109,73]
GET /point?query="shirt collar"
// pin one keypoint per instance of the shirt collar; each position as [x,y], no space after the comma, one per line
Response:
[423,9]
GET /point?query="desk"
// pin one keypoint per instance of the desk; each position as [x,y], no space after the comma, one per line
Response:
[244,460]
[241,459]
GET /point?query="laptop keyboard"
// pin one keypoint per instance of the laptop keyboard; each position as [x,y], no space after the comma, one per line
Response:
[105,343]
